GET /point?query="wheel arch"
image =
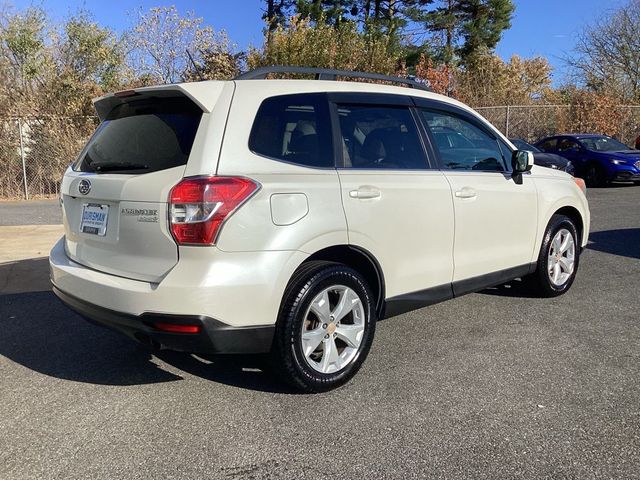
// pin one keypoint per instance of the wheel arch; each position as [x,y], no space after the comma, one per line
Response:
[360,260]
[575,215]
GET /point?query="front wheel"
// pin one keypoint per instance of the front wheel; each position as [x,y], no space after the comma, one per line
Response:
[595,176]
[326,326]
[558,258]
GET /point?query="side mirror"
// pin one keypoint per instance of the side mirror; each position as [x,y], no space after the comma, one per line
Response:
[521,161]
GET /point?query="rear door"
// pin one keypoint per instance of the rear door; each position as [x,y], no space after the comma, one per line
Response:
[115,195]
[495,216]
[398,206]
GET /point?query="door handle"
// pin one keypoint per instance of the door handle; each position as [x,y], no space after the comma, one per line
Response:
[363,194]
[466,192]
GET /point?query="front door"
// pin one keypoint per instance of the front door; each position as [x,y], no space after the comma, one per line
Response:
[495,216]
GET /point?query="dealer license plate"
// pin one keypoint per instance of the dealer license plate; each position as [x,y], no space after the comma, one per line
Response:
[94,219]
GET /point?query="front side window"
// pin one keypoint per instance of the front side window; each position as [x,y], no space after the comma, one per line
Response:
[380,137]
[295,129]
[462,145]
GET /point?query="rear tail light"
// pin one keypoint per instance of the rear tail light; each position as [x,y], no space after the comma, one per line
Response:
[199,206]
[581,184]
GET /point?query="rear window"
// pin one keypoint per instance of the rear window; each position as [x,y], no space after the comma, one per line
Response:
[142,136]
[295,129]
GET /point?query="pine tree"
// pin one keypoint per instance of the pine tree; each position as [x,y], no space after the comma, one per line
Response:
[468,26]
[276,13]
[332,12]
[482,24]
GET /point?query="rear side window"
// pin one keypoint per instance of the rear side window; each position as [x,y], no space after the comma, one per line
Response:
[375,136]
[295,129]
[142,136]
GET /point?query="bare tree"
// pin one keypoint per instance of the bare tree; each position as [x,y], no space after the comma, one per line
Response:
[607,57]
[159,42]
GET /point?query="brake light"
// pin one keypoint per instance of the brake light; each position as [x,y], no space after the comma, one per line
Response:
[199,206]
[125,93]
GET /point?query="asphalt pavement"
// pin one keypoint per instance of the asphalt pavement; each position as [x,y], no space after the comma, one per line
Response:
[489,385]
[33,212]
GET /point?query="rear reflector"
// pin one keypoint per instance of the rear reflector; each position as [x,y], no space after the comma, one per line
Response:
[176,328]
[200,205]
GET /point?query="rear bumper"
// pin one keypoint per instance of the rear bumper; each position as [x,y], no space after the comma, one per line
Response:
[234,297]
[213,337]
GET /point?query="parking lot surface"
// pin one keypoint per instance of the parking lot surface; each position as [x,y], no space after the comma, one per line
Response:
[490,385]
[34,212]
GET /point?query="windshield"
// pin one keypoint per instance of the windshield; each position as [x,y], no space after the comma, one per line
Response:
[522,145]
[602,144]
[142,136]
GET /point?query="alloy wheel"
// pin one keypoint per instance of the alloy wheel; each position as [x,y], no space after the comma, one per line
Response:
[333,329]
[562,257]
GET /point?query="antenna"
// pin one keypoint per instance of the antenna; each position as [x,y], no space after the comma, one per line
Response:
[195,66]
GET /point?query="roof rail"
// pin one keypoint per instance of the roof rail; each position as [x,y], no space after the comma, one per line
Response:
[327,74]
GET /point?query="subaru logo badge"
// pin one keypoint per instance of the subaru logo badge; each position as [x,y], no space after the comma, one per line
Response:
[84,187]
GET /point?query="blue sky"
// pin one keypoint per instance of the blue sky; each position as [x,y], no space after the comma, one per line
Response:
[540,27]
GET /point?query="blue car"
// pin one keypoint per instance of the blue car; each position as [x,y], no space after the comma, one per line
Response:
[598,159]
[544,159]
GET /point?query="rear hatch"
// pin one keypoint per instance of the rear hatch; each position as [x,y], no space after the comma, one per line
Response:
[115,195]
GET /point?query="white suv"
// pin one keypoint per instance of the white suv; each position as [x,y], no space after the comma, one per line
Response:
[288,216]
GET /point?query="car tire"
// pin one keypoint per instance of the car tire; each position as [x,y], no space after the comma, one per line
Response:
[557,263]
[317,345]
[595,176]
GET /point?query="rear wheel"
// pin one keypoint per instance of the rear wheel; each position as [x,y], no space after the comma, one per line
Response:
[326,327]
[595,176]
[558,258]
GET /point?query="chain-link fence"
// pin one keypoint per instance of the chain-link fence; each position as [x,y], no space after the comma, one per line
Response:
[533,122]
[34,152]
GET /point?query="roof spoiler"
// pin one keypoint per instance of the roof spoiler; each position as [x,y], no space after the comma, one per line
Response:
[203,94]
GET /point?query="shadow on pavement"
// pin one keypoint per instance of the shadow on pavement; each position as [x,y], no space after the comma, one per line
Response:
[244,371]
[623,242]
[514,288]
[22,276]
[38,332]
[41,334]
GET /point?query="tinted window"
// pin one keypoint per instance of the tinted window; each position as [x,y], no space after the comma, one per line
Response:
[548,145]
[603,144]
[462,145]
[567,144]
[294,128]
[142,136]
[380,137]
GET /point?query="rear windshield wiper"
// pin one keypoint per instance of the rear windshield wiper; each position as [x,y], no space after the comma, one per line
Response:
[111,166]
